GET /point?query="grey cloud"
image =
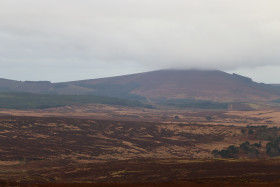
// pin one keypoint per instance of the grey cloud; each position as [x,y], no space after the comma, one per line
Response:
[133,35]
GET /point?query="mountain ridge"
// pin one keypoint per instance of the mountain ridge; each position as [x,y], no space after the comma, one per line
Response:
[212,85]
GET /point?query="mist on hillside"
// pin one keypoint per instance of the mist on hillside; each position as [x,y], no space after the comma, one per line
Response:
[71,40]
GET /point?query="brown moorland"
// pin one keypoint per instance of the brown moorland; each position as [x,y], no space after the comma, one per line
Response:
[111,144]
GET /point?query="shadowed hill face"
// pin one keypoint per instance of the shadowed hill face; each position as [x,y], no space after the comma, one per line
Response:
[27,86]
[189,84]
[164,84]
[7,85]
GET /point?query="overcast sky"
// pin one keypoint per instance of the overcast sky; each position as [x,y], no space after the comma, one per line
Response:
[61,40]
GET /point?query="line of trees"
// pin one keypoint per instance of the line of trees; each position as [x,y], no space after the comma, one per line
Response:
[232,151]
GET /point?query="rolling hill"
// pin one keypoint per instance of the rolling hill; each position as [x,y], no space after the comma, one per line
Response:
[212,85]
[183,84]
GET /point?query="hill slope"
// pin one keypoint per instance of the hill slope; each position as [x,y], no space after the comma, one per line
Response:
[185,84]
[164,84]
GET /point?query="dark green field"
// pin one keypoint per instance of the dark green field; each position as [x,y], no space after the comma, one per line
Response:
[40,101]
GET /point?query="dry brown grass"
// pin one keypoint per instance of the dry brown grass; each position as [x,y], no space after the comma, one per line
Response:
[43,145]
[270,117]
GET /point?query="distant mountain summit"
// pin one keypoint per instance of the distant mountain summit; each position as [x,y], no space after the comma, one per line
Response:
[163,84]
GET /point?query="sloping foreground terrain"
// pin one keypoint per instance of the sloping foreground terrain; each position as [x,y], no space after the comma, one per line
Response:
[37,138]
[144,171]
[49,150]
[157,85]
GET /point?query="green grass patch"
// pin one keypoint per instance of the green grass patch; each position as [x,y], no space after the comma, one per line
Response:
[40,101]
